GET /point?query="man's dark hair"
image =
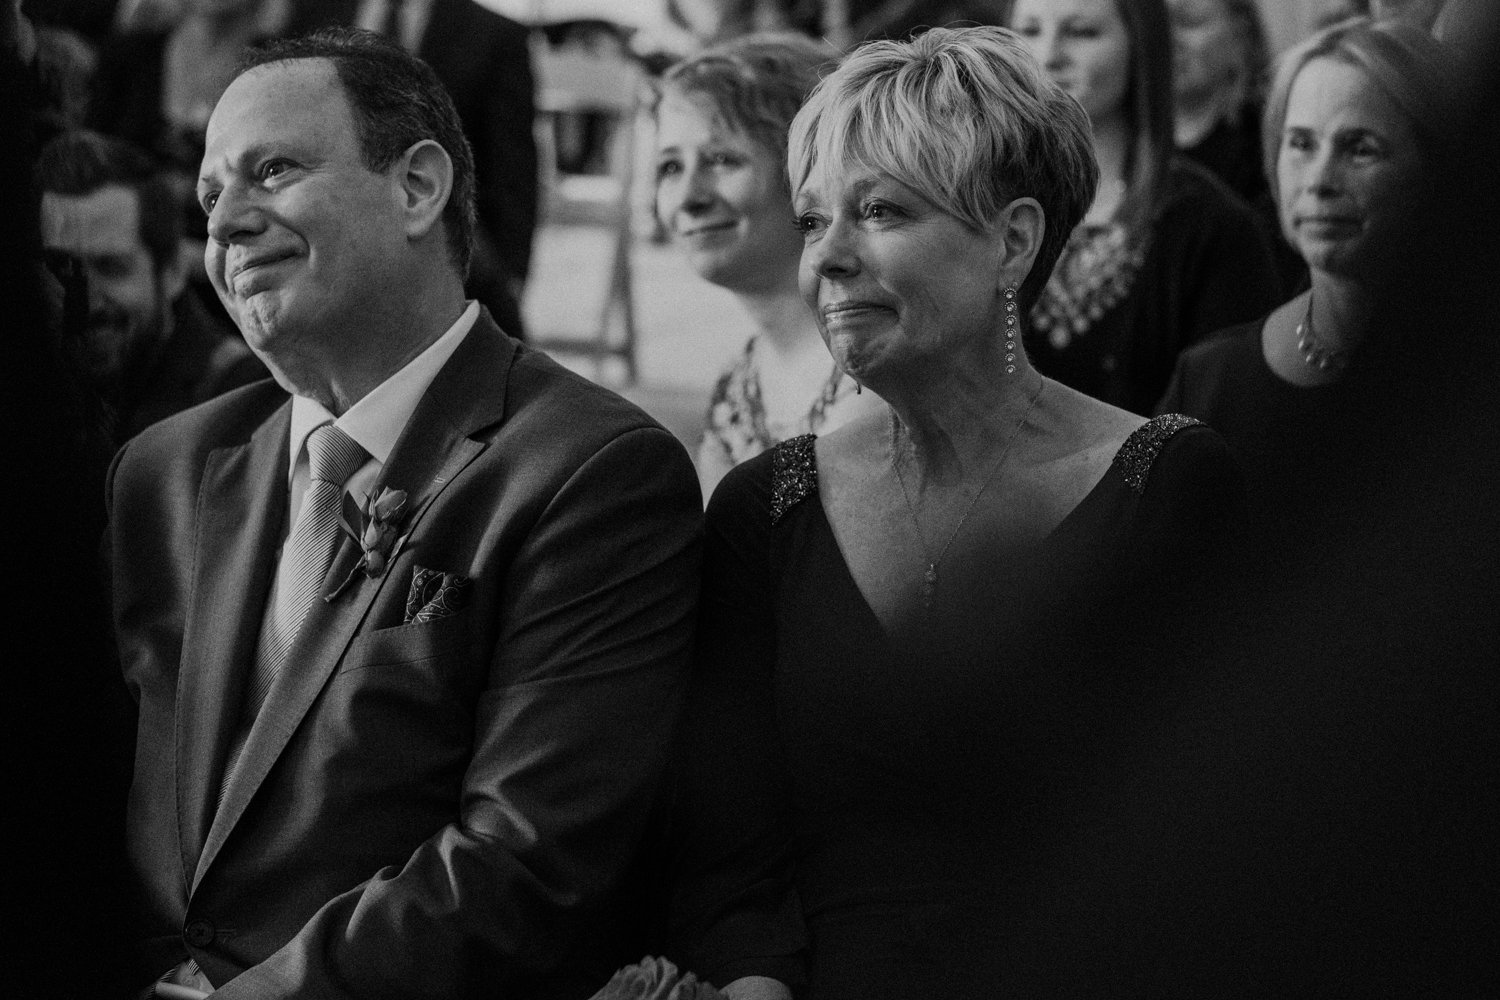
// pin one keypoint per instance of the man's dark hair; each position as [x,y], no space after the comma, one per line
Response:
[397,101]
[80,162]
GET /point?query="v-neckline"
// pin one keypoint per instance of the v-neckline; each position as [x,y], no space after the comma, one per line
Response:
[864,601]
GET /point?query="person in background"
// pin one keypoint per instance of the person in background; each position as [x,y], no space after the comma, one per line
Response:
[157,86]
[721,191]
[1219,61]
[1219,55]
[1166,253]
[149,348]
[1354,117]
[484,60]
[916,635]
[1422,13]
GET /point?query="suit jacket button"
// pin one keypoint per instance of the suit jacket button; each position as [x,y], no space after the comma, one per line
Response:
[199,933]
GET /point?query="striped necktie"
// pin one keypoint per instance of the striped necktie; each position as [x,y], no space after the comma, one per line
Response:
[332,457]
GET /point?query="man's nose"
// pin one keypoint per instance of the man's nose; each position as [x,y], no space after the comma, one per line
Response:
[234,215]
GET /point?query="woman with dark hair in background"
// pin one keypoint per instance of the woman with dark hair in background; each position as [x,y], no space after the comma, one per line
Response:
[1166,253]
[1354,118]
[1218,58]
[721,191]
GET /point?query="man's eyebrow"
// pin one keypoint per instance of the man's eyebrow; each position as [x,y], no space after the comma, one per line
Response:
[247,155]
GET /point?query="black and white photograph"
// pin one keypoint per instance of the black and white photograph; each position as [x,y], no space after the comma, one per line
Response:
[752,499]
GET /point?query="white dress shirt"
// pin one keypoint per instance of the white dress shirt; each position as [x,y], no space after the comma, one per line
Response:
[376,421]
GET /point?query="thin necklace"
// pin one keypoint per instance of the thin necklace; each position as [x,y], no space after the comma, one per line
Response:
[1314,353]
[930,577]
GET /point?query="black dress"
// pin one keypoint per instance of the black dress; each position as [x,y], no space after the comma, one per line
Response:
[914,788]
[1121,305]
[1283,436]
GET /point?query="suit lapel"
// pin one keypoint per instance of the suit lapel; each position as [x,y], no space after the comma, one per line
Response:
[243,502]
[467,395]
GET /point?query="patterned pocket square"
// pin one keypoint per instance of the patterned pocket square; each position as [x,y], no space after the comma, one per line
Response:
[435,595]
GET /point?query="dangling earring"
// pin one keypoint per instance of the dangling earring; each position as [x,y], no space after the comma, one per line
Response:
[1010,331]
[859,390]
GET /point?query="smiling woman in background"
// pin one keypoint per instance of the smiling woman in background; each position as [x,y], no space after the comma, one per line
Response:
[1354,115]
[1166,253]
[721,191]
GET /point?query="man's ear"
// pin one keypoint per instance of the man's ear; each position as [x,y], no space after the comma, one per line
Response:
[1021,226]
[425,178]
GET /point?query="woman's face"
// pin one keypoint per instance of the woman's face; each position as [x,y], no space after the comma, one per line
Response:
[1347,169]
[1206,46]
[1084,47]
[897,284]
[721,195]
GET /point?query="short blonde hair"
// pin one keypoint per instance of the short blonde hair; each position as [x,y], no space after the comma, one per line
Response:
[966,118]
[1399,59]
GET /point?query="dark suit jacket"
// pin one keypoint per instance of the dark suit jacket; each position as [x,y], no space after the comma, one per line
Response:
[483,59]
[441,809]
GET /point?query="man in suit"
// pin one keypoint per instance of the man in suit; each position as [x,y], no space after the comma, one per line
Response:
[415,759]
[484,60]
[148,347]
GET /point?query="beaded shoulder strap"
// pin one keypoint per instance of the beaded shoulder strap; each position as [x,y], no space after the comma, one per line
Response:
[1138,453]
[794,474]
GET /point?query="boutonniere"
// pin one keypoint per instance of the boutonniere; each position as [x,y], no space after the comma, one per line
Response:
[376,529]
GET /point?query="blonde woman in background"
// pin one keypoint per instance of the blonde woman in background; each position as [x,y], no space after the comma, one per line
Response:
[721,191]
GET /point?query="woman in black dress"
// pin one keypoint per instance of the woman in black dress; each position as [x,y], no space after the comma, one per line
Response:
[1354,114]
[1165,254]
[915,636]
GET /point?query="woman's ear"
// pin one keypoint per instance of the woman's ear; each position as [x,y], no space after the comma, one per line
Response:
[425,176]
[1021,227]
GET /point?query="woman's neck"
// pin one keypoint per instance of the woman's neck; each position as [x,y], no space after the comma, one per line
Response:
[1198,114]
[1112,151]
[1112,147]
[782,320]
[1341,310]
[949,424]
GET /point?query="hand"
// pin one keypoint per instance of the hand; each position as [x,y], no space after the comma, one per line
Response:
[171,991]
[757,988]
[656,979]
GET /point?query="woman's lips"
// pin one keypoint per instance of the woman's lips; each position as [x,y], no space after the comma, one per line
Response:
[851,312]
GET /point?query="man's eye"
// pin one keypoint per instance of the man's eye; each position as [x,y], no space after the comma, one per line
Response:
[208,201]
[273,169]
[668,168]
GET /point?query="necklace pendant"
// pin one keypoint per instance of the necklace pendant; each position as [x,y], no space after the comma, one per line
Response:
[929,585]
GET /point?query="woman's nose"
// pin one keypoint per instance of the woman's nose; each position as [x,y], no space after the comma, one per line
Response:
[835,255]
[1324,173]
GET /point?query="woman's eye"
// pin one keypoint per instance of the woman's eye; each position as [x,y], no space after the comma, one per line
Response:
[724,160]
[878,211]
[806,224]
[1299,141]
[668,168]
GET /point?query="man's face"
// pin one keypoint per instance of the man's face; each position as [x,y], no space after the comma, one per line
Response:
[128,294]
[304,239]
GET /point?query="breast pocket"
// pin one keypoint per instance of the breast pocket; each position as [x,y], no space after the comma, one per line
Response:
[402,703]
